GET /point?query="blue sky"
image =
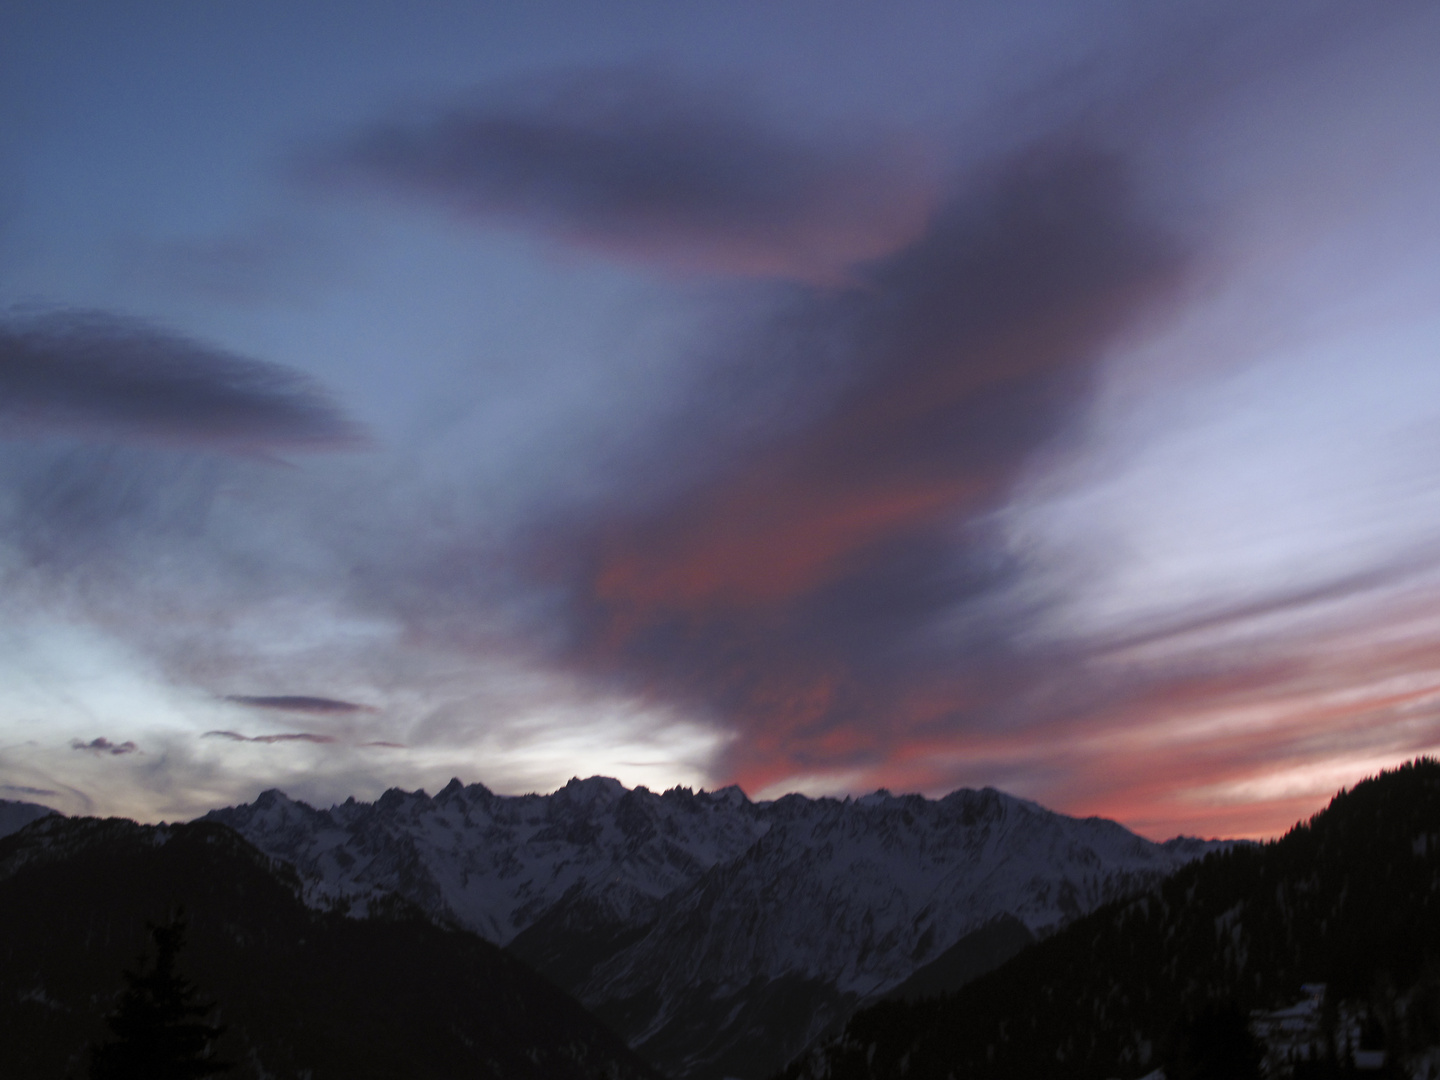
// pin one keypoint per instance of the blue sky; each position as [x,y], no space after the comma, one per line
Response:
[812,396]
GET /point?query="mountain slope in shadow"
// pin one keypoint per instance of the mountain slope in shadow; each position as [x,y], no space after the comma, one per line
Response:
[300,993]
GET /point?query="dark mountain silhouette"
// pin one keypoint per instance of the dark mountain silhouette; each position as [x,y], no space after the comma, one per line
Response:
[299,993]
[1350,899]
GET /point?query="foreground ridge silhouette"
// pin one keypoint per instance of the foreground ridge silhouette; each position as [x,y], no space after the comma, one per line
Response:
[302,993]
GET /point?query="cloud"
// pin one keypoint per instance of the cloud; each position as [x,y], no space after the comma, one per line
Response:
[104,376]
[302,736]
[78,509]
[386,745]
[103,745]
[21,789]
[1246,732]
[631,163]
[298,703]
[830,592]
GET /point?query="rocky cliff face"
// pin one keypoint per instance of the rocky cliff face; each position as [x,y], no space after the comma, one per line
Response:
[720,936]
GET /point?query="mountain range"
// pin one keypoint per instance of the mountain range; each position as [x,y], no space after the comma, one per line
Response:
[976,936]
[719,936]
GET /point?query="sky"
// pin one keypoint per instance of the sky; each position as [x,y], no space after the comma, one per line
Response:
[817,397]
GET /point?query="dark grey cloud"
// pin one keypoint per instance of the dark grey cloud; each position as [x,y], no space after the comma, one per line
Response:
[103,745]
[299,736]
[830,590]
[635,164]
[101,375]
[298,703]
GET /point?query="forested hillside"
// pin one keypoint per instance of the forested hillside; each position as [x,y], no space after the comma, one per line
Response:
[1350,898]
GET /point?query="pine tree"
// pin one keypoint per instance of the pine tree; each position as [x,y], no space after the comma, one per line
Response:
[159,1027]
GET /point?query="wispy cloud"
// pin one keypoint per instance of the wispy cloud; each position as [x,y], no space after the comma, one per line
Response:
[298,703]
[103,745]
[301,736]
[101,375]
[21,789]
[642,166]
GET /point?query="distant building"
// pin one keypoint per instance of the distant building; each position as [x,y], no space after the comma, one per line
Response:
[1297,1033]
[1291,1034]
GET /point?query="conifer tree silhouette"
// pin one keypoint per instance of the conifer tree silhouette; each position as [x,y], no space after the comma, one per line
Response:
[159,1027]
[1217,1045]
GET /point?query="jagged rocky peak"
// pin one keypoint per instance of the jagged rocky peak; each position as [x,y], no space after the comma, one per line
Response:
[456,789]
[878,797]
[273,809]
[988,802]
[731,794]
[592,792]
[271,797]
[273,800]
[397,798]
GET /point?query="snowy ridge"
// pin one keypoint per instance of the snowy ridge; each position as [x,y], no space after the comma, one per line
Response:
[692,921]
[494,864]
